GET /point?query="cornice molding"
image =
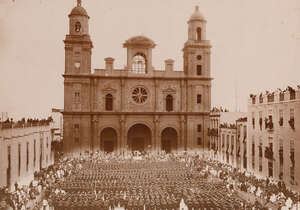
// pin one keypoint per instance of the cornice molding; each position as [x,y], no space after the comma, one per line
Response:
[136,113]
[133,77]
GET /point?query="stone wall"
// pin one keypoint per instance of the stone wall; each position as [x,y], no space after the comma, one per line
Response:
[14,137]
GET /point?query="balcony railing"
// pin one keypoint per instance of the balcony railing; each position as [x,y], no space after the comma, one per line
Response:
[260,151]
[281,121]
[269,125]
[238,152]
[212,132]
[269,154]
[260,123]
[292,157]
[292,123]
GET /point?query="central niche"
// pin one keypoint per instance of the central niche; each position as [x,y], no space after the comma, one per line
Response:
[139,95]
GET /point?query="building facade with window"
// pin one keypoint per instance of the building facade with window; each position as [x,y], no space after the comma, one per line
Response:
[274,135]
[242,152]
[23,151]
[227,141]
[138,107]
[223,127]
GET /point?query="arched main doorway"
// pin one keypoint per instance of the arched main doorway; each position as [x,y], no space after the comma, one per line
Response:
[108,140]
[139,137]
[169,140]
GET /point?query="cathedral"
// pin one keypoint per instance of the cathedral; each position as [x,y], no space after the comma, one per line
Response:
[138,107]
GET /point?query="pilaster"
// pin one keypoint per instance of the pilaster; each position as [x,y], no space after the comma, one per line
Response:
[156,140]
[182,133]
[122,142]
[122,84]
[94,126]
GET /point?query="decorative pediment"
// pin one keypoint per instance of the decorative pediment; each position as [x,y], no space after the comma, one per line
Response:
[169,90]
[109,90]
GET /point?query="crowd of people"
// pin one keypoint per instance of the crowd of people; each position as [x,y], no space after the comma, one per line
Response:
[10,123]
[268,191]
[23,197]
[146,181]
[153,182]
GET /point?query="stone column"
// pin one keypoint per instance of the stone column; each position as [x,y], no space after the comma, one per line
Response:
[186,96]
[149,61]
[122,108]
[156,138]
[91,99]
[122,140]
[129,57]
[156,95]
[182,93]
[94,107]
[94,126]
[207,56]
[182,133]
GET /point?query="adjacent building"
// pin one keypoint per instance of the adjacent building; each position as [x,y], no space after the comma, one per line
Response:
[274,135]
[138,107]
[223,135]
[24,149]
[241,153]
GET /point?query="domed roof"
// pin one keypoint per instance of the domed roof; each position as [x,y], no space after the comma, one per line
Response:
[78,10]
[139,40]
[197,15]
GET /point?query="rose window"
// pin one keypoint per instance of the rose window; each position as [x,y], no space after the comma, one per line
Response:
[139,95]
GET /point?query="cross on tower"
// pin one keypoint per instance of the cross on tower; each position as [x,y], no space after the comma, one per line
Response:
[79,3]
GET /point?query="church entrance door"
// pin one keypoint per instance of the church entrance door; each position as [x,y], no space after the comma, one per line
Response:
[169,140]
[138,144]
[108,141]
[139,138]
[108,146]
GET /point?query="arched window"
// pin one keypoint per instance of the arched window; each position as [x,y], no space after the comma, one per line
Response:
[169,103]
[139,64]
[198,34]
[108,102]
[77,27]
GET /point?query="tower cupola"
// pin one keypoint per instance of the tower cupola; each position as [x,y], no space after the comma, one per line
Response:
[197,15]
[197,26]
[79,20]
[197,48]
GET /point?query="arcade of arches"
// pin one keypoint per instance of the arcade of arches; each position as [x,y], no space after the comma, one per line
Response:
[139,138]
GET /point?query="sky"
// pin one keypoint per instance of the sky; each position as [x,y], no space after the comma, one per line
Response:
[255,45]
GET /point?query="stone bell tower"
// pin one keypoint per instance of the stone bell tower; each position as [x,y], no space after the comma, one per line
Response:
[77,88]
[78,44]
[196,51]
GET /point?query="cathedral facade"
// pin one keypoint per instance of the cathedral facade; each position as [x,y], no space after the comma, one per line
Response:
[138,107]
